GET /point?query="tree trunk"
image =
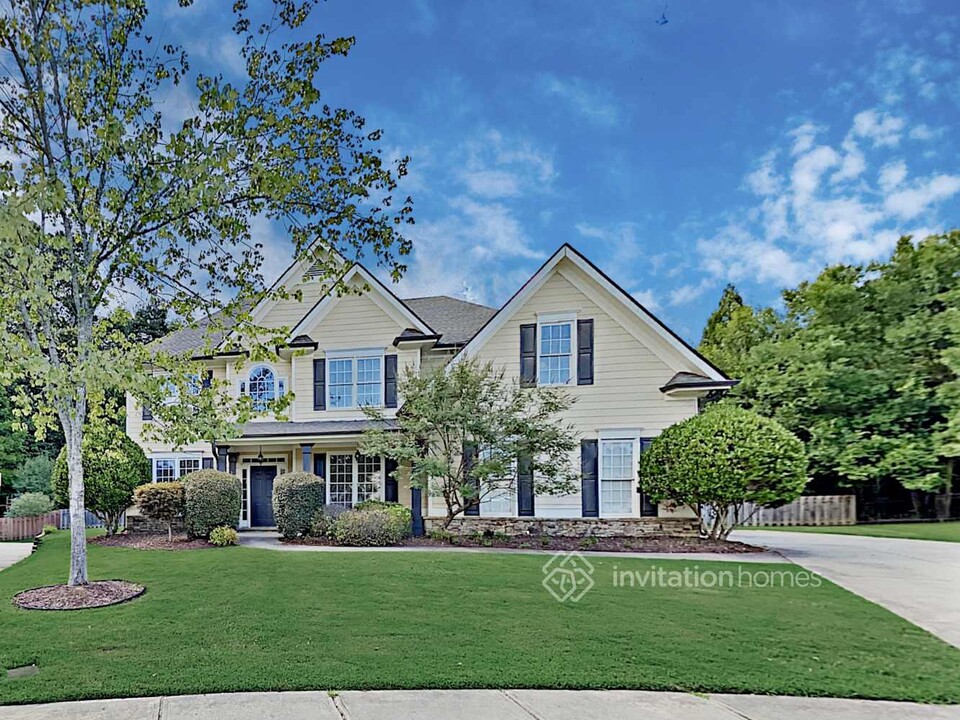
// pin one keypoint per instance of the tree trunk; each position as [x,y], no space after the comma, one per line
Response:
[169,532]
[78,525]
[943,500]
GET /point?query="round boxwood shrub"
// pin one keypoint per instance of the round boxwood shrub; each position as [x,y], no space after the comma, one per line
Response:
[30,504]
[113,466]
[296,498]
[223,536]
[401,513]
[720,459]
[212,498]
[160,501]
[370,527]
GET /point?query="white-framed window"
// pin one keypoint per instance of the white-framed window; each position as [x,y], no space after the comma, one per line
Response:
[617,473]
[354,379]
[351,478]
[556,341]
[499,497]
[263,386]
[170,468]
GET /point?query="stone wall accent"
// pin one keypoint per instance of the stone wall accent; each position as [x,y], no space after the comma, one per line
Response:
[571,527]
[140,525]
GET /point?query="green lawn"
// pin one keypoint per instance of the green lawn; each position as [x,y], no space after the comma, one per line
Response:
[947,531]
[243,619]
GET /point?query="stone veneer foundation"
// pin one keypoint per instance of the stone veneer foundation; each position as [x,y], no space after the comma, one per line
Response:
[571,527]
[138,524]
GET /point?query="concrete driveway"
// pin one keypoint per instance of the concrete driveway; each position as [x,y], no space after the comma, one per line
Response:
[917,579]
[12,552]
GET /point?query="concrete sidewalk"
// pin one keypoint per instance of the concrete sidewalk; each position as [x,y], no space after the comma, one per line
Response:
[14,552]
[480,705]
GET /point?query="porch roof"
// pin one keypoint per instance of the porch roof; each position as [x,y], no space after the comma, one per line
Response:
[311,428]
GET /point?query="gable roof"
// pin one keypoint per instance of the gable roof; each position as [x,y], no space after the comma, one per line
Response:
[570,253]
[455,320]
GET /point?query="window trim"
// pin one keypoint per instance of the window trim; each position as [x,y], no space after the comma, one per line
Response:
[176,459]
[354,477]
[332,356]
[560,318]
[512,490]
[280,384]
[633,437]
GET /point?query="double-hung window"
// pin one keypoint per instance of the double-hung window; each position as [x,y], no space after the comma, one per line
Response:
[498,495]
[617,476]
[168,469]
[354,380]
[555,354]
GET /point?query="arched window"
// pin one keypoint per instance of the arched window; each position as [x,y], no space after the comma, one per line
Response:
[262,387]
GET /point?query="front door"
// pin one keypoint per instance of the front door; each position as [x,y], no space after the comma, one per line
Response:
[261,495]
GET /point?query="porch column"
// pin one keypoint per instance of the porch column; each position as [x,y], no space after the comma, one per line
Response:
[416,508]
[232,458]
[306,449]
[222,457]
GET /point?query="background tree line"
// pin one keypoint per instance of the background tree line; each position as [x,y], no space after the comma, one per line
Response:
[862,364]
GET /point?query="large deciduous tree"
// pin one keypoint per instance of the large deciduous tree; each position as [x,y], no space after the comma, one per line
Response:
[466,433]
[103,195]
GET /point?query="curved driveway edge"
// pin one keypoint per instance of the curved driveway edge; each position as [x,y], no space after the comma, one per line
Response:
[14,552]
[481,705]
[919,580]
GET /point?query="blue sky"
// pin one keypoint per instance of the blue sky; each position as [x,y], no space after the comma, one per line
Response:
[747,142]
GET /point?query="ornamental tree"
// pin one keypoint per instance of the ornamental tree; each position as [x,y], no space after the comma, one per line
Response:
[465,432]
[105,197]
[114,464]
[720,460]
[163,501]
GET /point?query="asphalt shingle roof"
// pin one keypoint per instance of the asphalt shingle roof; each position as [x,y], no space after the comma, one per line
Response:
[456,320]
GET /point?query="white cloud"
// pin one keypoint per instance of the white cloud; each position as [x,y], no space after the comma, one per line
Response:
[690,292]
[803,137]
[648,299]
[852,165]
[892,175]
[908,204]
[492,166]
[763,180]
[587,100]
[808,170]
[882,128]
[924,132]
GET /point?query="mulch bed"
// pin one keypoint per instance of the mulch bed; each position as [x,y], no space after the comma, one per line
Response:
[657,544]
[92,595]
[150,542]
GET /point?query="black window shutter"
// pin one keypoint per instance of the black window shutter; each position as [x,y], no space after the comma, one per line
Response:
[528,355]
[469,458]
[584,352]
[390,381]
[147,413]
[589,486]
[648,508]
[525,487]
[320,470]
[207,463]
[207,379]
[320,384]
[391,488]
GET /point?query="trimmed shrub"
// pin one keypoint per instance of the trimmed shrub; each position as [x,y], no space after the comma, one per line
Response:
[323,520]
[113,466]
[160,501]
[30,504]
[297,497]
[401,513]
[223,536]
[212,498]
[371,527]
[48,529]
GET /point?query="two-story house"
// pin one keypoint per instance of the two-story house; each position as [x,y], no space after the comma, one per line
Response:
[569,325]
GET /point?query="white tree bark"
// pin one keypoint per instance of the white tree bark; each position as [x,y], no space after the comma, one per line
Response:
[78,525]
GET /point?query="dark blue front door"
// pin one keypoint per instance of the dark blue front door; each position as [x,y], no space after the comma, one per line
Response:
[261,495]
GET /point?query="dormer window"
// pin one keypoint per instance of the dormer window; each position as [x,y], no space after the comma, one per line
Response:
[263,386]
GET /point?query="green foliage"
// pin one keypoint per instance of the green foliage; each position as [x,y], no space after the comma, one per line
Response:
[402,513]
[211,498]
[720,459]
[34,476]
[113,464]
[733,329]
[49,529]
[30,504]
[863,367]
[471,404]
[297,497]
[373,526]
[161,501]
[106,195]
[223,536]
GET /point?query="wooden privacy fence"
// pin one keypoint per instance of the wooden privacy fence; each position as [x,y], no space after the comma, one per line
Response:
[26,528]
[806,510]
